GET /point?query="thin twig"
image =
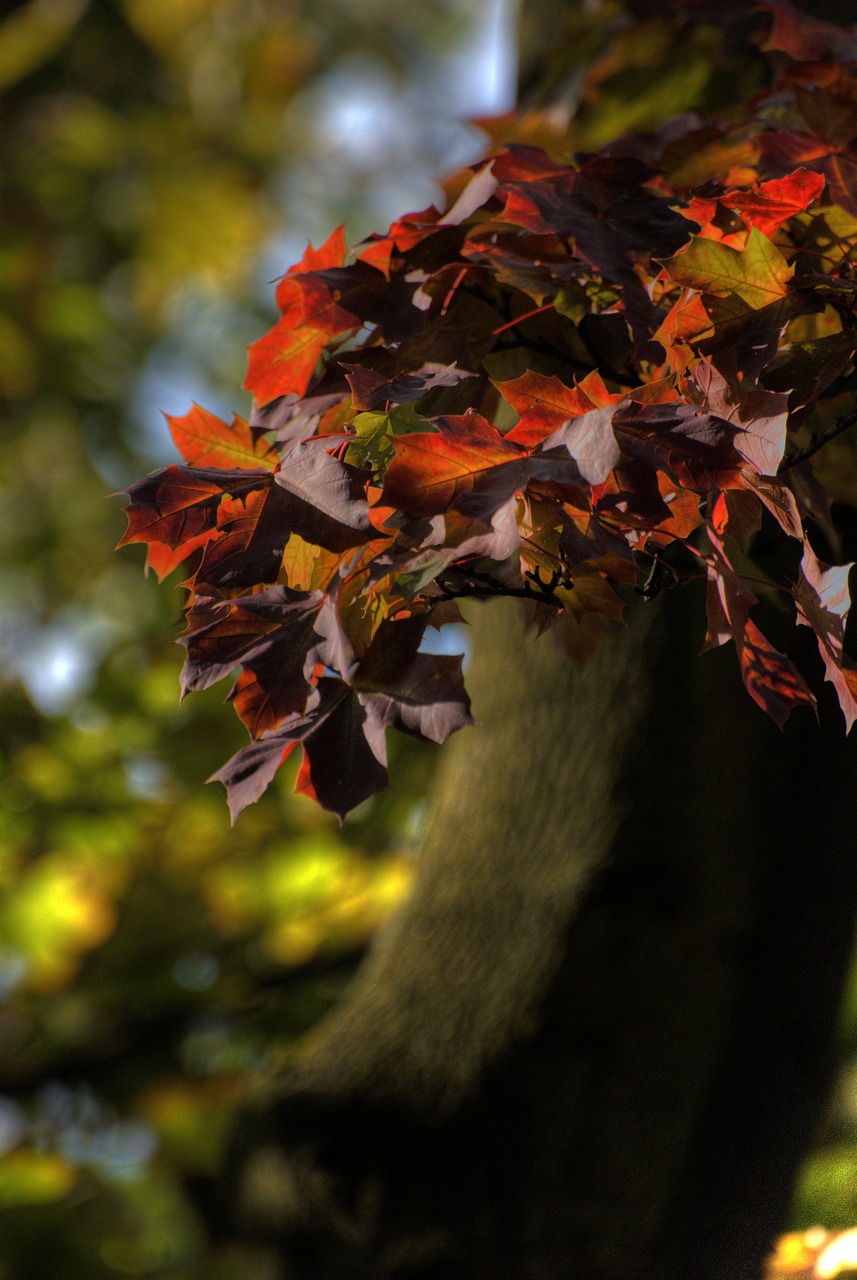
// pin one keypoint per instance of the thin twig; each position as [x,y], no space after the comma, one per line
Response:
[818,442]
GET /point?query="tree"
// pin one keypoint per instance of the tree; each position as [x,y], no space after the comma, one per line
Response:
[597,1039]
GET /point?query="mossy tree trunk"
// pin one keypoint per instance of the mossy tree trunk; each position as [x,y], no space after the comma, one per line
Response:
[596,1041]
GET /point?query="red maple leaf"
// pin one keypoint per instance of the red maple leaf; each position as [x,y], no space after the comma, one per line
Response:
[771,679]
[283,361]
[772,203]
[204,440]
[546,403]
[176,510]
[432,469]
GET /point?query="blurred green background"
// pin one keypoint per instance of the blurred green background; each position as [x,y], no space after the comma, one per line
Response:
[161,162]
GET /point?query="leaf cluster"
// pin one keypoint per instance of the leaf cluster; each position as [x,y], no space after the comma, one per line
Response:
[587,374]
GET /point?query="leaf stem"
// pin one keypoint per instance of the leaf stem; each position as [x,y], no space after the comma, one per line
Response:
[456,282]
[528,315]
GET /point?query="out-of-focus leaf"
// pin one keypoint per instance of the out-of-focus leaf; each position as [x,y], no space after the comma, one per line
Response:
[34,1177]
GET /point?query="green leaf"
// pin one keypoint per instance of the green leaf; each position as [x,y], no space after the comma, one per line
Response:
[757,275]
[374,432]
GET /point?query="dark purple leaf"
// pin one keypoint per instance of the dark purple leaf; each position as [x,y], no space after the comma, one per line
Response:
[327,503]
[344,768]
[372,390]
[292,419]
[249,547]
[272,631]
[419,693]
[699,447]
[334,648]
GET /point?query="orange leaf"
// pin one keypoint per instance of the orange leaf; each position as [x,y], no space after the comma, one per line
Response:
[431,469]
[545,403]
[204,440]
[773,203]
[177,509]
[283,360]
[404,235]
[331,254]
[772,681]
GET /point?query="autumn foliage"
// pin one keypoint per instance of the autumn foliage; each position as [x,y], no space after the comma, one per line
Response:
[590,380]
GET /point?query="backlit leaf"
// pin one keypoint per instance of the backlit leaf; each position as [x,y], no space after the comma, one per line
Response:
[772,681]
[431,470]
[204,440]
[546,403]
[755,276]
[643,382]
[774,202]
[770,677]
[332,253]
[178,508]
[283,361]
[807,38]
[373,436]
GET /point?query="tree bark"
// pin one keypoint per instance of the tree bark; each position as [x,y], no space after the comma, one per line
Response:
[596,1041]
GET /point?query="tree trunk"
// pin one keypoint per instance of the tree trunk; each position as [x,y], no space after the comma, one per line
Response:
[595,1042]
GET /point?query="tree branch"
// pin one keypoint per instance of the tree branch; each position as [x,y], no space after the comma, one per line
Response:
[818,442]
[456,583]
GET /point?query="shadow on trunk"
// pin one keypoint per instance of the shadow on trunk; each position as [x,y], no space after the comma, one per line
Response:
[596,1041]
